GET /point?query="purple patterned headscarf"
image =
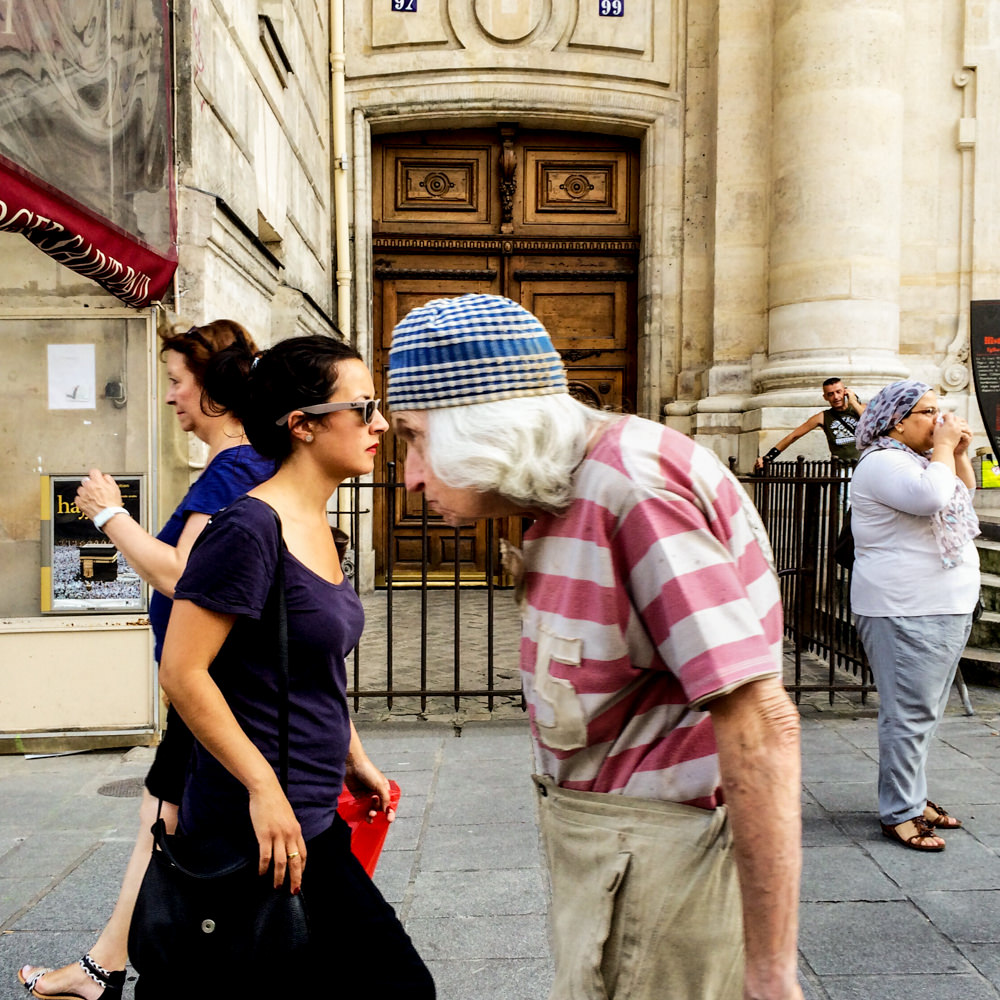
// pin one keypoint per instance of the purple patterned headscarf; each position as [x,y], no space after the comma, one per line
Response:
[887,408]
[954,525]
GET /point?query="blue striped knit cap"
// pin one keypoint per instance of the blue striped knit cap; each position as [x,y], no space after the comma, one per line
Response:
[470,349]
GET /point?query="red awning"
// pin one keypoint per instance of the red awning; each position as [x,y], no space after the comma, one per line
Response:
[82,240]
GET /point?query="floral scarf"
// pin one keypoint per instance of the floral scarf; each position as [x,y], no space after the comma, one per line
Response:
[956,523]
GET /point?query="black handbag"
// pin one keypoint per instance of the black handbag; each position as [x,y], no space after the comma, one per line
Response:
[843,548]
[192,916]
[199,911]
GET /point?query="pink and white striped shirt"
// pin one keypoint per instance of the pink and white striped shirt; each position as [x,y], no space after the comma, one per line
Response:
[653,593]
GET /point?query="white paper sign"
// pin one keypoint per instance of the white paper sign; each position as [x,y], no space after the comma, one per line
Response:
[72,383]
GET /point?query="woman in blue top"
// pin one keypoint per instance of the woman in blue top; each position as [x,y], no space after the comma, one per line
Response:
[233,467]
[310,407]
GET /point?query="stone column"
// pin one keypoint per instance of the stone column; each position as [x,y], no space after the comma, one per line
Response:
[836,198]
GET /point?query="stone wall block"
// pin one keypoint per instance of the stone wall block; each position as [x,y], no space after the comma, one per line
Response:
[259,142]
[874,279]
[738,298]
[389,29]
[809,281]
[809,329]
[741,195]
[742,218]
[570,36]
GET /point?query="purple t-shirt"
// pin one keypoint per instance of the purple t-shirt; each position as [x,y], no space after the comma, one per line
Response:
[230,570]
[231,473]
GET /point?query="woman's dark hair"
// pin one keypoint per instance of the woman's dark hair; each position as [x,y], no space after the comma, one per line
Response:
[300,371]
[200,345]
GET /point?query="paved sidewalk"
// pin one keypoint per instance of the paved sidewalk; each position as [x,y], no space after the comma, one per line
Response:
[463,867]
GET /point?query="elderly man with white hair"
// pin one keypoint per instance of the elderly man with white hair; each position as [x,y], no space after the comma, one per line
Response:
[666,749]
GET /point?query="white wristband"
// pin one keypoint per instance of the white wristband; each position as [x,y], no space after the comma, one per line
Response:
[102,517]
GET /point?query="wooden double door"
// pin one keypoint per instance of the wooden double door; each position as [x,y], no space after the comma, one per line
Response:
[548,219]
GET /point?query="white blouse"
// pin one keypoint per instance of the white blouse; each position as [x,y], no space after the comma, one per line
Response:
[897,567]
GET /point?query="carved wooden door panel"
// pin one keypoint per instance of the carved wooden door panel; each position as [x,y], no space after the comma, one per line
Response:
[547,219]
[587,318]
[399,525]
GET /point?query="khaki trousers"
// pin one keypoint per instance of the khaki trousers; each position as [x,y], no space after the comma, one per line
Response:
[645,899]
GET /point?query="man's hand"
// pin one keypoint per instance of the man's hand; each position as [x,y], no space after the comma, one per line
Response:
[775,452]
[757,732]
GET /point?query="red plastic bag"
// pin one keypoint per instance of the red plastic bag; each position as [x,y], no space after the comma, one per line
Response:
[366,838]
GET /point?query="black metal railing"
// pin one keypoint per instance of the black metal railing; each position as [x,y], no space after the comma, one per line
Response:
[454,641]
[802,505]
[431,639]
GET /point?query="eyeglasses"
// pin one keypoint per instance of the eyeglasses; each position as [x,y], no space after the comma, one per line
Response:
[369,406]
[931,411]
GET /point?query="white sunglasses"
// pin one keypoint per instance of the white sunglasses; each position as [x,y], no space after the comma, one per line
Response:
[369,406]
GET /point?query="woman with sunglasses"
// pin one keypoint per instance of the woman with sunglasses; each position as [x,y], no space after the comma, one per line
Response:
[310,406]
[232,467]
[914,586]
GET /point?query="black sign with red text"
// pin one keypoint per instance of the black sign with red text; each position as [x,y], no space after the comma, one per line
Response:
[985,342]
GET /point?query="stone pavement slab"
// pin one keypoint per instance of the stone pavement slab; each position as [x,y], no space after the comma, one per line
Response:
[880,921]
[463,865]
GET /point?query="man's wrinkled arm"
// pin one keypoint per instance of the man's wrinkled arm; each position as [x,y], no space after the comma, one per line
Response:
[757,732]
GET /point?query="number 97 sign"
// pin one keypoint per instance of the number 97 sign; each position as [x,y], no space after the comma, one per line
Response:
[611,8]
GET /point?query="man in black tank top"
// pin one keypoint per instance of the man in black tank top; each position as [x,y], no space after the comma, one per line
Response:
[838,423]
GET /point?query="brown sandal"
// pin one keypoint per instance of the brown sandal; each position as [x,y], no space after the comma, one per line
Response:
[941,819]
[924,831]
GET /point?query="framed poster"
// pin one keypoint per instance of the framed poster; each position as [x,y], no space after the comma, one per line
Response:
[82,571]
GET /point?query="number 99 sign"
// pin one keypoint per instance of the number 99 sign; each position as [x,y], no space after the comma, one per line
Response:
[611,8]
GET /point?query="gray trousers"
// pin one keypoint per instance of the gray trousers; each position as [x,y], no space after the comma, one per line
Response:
[914,662]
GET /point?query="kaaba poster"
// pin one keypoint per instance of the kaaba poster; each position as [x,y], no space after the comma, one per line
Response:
[82,571]
[985,338]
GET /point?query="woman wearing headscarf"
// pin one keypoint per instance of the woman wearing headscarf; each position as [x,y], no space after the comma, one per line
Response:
[914,587]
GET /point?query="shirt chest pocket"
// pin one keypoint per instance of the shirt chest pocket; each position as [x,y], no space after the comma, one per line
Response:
[558,710]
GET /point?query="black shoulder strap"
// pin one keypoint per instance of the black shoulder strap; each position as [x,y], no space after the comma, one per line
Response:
[282,603]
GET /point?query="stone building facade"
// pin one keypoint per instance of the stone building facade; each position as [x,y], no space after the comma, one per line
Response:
[714,205]
[252,174]
[815,181]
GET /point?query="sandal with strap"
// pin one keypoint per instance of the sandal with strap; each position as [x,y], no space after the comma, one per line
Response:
[112,982]
[941,819]
[924,831]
